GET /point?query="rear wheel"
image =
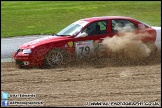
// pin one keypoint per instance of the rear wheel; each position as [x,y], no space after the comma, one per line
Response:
[56,57]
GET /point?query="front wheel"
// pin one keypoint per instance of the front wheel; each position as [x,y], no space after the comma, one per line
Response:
[56,57]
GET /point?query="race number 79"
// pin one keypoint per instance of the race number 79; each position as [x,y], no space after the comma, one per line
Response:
[84,48]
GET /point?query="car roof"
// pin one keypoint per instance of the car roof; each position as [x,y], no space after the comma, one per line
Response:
[92,19]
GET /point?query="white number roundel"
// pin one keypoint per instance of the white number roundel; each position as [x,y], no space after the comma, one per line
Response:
[84,48]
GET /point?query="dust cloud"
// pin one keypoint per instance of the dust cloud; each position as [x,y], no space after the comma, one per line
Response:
[128,45]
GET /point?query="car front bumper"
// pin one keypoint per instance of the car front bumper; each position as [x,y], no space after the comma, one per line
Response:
[26,60]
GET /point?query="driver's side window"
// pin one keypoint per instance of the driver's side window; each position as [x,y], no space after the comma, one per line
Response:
[96,28]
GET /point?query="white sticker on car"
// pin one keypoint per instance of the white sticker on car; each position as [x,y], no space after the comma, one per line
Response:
[82,23]
[84,48]
[141,26]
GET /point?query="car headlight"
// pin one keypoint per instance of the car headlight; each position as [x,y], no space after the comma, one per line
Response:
[26,51]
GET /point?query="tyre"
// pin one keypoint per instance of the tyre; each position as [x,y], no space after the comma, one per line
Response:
[56,57]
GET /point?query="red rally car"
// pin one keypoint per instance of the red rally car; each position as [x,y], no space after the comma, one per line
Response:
[79,39]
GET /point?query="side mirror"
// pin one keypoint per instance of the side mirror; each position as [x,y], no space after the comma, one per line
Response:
[84,34]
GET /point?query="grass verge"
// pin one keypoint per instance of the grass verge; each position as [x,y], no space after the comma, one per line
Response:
[20,18]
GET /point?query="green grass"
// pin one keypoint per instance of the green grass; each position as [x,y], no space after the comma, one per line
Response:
[20,18]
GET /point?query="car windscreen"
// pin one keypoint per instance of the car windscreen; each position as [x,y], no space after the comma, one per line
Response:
[70,30]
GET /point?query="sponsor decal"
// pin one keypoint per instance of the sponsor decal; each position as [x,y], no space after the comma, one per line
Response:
[70,44]
[83,44]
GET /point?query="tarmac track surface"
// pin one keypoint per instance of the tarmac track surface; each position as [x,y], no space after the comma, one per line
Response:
[10,45]
[86,83]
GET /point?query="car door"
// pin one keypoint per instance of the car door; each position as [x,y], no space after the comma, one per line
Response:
[85,46]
